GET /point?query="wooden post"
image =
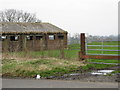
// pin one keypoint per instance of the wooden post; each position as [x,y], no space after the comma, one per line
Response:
[82,43]
[6,44]
[62,49]
[24,47]
[33,42]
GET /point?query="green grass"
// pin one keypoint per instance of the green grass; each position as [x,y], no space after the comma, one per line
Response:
[105,43]
[44,67]
[103,61]
[90,67]
[68,54]
[74,46]
[116,71]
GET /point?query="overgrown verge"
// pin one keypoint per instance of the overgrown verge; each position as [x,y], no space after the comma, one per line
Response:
[45,67]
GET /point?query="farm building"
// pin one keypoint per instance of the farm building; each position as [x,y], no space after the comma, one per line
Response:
[31,36]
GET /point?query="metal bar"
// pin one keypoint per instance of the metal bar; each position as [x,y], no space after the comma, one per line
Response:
[101,50]
[100,57]
[103,63]
[104,54]
[105,40]
[86,46]
[104,45]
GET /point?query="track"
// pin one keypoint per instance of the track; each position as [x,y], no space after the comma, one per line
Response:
[32,83]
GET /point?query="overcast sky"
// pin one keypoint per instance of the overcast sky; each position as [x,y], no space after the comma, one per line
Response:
[95,17]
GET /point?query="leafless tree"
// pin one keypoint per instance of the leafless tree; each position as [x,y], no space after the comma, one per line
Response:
[12,15]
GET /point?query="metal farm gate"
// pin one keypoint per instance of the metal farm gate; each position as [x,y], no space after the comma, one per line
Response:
[84,53]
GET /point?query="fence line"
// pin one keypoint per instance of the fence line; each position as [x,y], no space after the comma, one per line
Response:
[84,50]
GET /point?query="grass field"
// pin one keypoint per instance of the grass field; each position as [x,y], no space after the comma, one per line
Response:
[49,63]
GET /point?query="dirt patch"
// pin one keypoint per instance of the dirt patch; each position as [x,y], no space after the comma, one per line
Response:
[88,77]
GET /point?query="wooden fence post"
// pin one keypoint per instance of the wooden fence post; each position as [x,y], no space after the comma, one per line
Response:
[6,44]
[82,43]
[62,49]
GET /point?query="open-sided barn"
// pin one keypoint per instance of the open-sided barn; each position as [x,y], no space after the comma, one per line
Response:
[31,36]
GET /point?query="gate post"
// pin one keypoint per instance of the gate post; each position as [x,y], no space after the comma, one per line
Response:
[82,43]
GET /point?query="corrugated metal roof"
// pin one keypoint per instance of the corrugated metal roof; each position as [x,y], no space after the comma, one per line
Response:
[10,27]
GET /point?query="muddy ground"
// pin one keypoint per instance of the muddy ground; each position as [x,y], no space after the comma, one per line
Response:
[86,77]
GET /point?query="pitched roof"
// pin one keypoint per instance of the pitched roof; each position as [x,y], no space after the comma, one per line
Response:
[10,27]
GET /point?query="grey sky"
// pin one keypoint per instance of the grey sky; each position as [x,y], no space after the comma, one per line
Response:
[95,17]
